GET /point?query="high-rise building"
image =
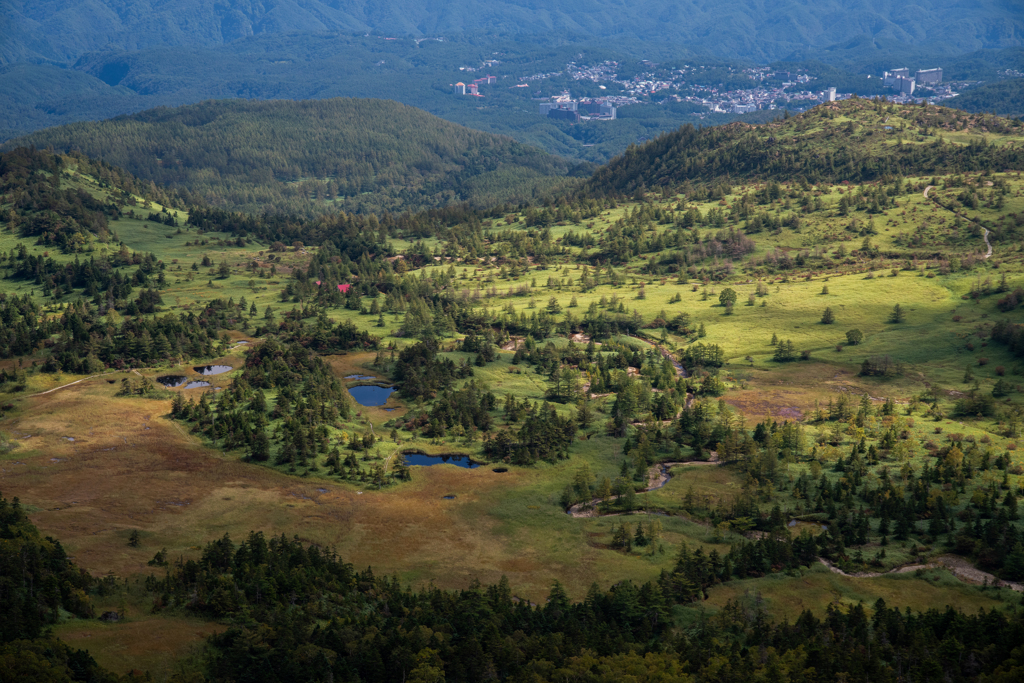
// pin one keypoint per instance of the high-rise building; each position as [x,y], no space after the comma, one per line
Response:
[830,95]
[460,88]
[564,114]
[905,86]
[928,76]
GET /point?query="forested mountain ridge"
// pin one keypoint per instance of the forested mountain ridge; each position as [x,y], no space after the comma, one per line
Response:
[315,156]
[1006,97]
[856,140]
[62,30]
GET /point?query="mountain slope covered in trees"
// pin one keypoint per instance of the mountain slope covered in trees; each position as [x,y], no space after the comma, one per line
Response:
[314,156]
[852,140]
[62,30]
[1005,98]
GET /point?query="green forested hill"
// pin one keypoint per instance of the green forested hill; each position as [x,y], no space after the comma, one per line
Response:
[314,156]
[1005,98]
[855,140]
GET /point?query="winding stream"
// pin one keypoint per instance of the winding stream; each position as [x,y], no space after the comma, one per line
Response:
[657,477]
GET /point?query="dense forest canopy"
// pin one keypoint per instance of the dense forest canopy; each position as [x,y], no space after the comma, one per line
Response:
[1004,97]
[51,31]
[315,156]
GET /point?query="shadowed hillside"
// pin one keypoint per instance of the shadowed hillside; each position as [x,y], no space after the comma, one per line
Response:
[312,157]
[62,30]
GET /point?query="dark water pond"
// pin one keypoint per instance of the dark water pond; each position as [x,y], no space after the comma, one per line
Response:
[362,377]
[197,384]
[208,370]
[371,395]
[424,460]
[172,381]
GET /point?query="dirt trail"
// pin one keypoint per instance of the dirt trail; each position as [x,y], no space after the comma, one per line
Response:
[984,230]
[657,477]
[50,391]
[958,566]
[680,370]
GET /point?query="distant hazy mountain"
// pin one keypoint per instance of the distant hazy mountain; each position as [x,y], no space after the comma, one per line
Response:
[64,30]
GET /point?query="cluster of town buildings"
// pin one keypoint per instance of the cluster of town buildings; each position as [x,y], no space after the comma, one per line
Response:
[903,83]
[567,109]
[474,87]
[713,88]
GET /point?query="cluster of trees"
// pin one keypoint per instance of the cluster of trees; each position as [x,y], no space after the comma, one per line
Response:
[543,435]
[100,279]
[421,373]
[85,342]
[309,400]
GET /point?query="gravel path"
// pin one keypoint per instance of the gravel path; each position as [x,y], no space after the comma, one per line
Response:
[958,566]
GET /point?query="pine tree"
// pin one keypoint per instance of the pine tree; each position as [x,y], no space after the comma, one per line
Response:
[639,538]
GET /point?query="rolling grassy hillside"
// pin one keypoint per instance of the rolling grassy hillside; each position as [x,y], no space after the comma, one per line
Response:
[922,464]
[314,156]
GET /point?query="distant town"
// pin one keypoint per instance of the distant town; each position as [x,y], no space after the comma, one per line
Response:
[769,89]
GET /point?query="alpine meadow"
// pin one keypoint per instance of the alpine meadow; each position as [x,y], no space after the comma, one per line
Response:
[324,388]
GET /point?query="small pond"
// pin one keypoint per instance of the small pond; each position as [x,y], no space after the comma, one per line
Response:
[197,384]
[362,377]
[207,370]
[170,381]
[424,460]
[371,395]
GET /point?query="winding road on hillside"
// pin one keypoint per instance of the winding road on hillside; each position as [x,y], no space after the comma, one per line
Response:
[984,230]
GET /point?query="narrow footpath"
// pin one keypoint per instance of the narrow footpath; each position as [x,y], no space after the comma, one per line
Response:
[984,230]
[959,567]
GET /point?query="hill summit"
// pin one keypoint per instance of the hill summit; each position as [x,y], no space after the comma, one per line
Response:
[856,140]
[313,156]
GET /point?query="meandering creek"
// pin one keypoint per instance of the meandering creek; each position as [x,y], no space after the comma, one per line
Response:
[657,477]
